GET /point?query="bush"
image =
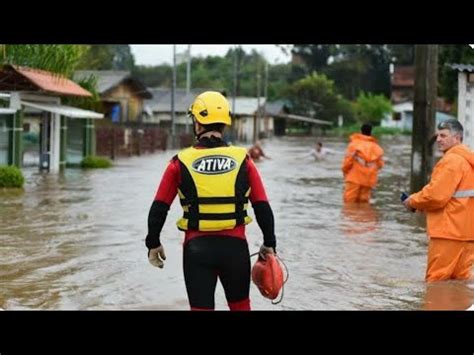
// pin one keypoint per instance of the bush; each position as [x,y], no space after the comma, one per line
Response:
[11,176]
[93,162]
[372,108]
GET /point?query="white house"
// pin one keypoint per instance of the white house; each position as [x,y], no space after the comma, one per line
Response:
[402,117]
[245,113]
[466,101]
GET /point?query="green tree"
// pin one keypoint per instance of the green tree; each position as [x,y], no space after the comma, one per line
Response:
[448,77]
[354,68]
[60,59]
[372,108]
[402,54]
[153,76]
[123,58]
[57,58]
[107,57]
[97,57]
[315,56]
[87,103]
[214,72]
[316,96]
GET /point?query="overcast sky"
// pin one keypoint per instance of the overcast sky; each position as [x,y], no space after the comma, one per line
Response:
[156,54]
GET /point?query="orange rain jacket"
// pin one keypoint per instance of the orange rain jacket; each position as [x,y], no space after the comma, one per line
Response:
[363,160]
[448,199]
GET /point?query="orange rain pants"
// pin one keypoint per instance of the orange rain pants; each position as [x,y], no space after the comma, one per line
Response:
[356,193]
[449,259]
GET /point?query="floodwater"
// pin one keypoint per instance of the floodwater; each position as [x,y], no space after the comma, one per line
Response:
[76,241]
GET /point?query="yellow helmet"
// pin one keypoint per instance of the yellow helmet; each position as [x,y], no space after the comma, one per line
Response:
[211,107]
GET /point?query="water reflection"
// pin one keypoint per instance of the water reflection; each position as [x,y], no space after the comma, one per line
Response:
[359,218]
[449,295]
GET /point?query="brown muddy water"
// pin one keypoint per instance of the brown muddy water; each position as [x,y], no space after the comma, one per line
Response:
[76,240]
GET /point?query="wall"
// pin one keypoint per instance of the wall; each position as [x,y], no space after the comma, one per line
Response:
[4,138]
[131,104]
[466,107]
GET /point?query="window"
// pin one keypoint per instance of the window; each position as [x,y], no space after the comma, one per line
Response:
[468,103]
[468,118]
[397,116]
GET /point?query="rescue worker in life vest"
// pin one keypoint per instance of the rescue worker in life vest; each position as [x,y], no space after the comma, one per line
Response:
[361,164]
[215,183]
[448,201]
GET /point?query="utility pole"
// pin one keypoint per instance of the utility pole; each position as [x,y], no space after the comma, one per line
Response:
[188,80]
[265,94]
[173,88]
[234,135]
[235,79]
[424,111]
[188,71]
[239,51]
[256,122]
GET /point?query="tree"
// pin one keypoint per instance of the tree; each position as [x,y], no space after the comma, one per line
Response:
[107,57]
[316,96]
[354,68]
[57,58]
[448,77]
[154,76]
[97,57]
[315,56]
[86,103]
[402,54]
[372,108]
[123,58]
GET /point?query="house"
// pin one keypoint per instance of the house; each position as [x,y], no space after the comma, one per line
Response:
[402,117]
[126,130]
[466,100]
[403,88]
[31,101]
[402,83]
[402,96]
[245,119]
[122,96]
[160,107]
[275,123]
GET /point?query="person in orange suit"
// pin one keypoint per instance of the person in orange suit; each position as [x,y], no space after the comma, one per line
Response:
[448,201]
[362,162]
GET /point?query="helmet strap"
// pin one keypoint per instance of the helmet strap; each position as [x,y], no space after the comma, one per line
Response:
[203,132]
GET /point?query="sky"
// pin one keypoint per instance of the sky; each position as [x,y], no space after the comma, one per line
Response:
[157,54]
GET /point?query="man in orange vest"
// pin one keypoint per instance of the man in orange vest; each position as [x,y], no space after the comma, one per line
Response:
[448,201]
[361,164]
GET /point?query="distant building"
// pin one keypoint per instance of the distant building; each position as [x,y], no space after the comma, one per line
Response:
[466,100]
[403,88]
[121,94]
[402,117]
[36,129]
[243,114]
[160,108]
[402,83]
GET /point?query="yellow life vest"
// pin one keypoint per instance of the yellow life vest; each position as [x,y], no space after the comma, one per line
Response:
[214,188]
